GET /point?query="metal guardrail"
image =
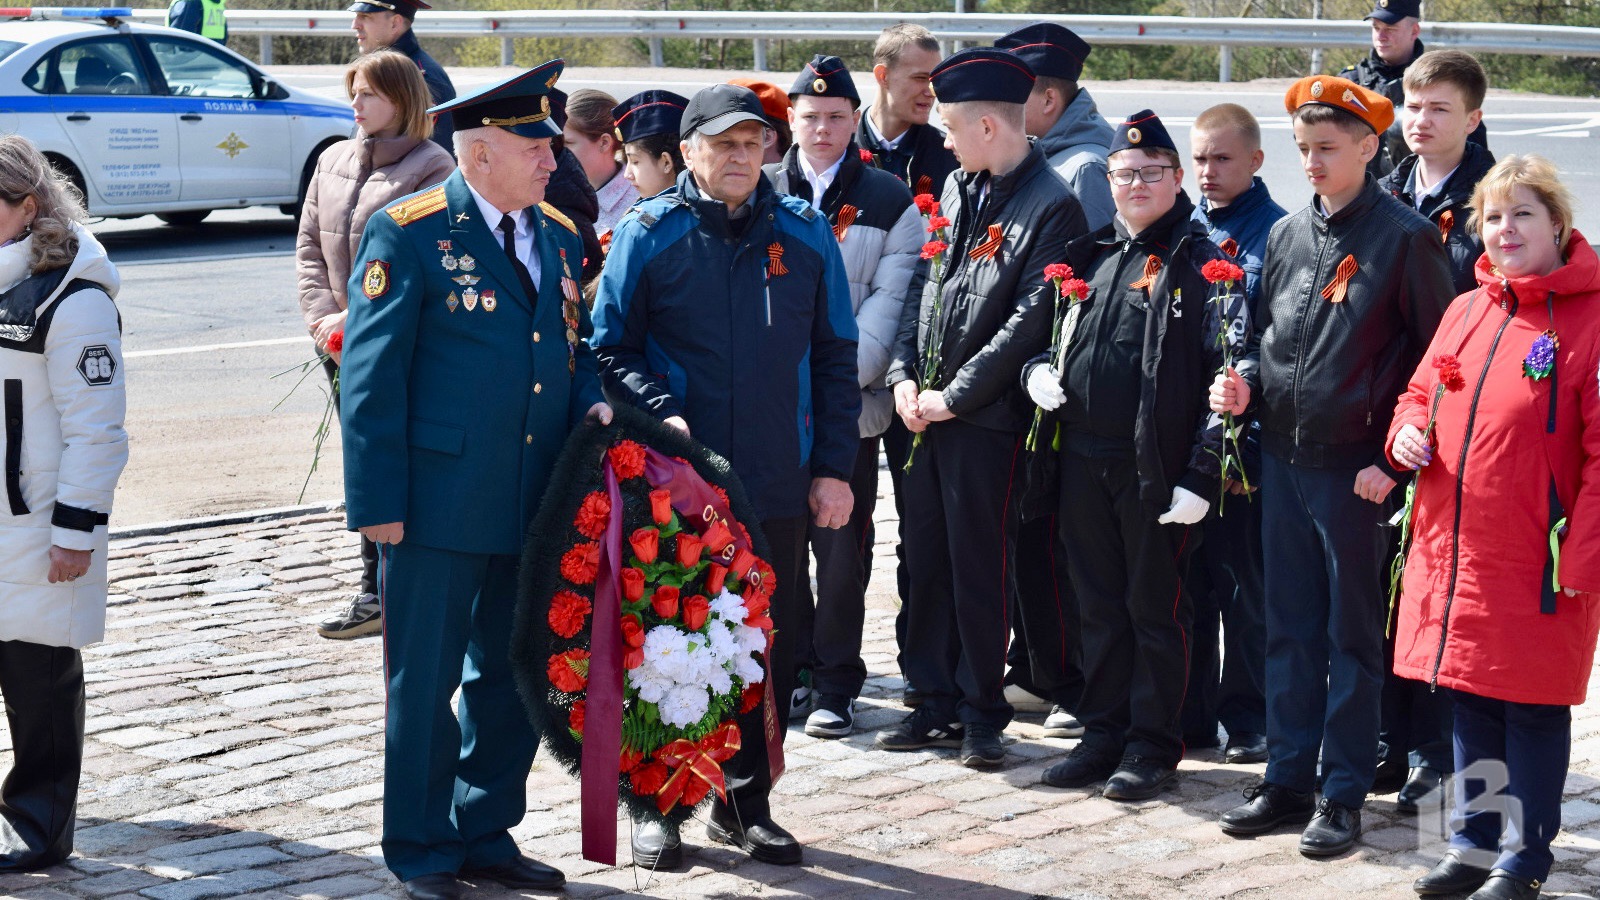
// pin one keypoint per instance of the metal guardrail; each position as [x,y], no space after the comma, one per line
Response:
[761,27]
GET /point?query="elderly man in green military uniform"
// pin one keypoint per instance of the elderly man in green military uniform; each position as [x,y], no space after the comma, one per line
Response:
[466,364]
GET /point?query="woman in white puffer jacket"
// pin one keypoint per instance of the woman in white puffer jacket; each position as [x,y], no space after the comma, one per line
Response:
[63,398]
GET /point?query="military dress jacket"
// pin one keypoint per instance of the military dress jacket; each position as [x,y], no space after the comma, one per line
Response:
[457,389]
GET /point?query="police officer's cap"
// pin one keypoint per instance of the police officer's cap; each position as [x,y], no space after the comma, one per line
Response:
[982,73]
[717,108]
[520,104]
[1392,11]
[648,114]
[825,76]
[1051,50]
[407,8]
[1142,131]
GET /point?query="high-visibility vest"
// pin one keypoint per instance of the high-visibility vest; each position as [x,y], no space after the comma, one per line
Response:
[215,24]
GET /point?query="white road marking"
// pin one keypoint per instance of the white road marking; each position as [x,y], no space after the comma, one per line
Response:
[209,348]
[218,257]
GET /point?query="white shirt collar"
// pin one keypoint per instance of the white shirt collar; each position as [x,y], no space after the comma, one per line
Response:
[877,136]
[820,181]
[492,214]
[1419,197]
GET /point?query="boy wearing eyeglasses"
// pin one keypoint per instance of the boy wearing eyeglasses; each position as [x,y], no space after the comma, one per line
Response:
[1138,460]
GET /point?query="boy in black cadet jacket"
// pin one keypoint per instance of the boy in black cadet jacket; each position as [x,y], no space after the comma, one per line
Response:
[1011,216]
[1139,461]
[880,234]
[1444,92]
[1354,286]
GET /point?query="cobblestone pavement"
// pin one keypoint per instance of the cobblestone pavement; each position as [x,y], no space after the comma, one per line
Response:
[233,753]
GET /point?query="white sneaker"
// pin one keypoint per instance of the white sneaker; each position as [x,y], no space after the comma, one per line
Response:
[1026,701]
[1062,724]
[800,702]
[834,717]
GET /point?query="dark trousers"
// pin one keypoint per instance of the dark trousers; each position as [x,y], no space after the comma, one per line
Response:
[1415,723]
[1046,655]
[1324,550]
[369,550]
[829,627]
[43,691]
[960,528]
[1534,744]
[454,783]
[1229,594]
[896,447]
[748,774]
[1127,572]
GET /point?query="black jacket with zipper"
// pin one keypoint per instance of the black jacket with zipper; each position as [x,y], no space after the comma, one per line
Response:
[1462,243]
[1325,375]
[920,159]
[995,310]
[1176,440]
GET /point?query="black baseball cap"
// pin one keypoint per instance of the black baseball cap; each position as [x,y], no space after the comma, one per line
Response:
[717,108]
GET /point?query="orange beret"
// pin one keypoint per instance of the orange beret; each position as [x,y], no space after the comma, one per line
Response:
[1328,90]
[774,102]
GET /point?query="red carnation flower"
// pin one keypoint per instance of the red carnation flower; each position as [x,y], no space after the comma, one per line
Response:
[937,222]
[689,549]
[751,697]
[661,506]
[665,601]
[694,791]
[627,459]
[1075,287]
[926,204]
[336,341]
[569,671]
[1220,271]
[647,779]
[593,515]
[632,584]
[866,156]
[695,611]
[568,612]
[646,543]
[580,564]
[933,248]
[629,760]
[575,717]
[1058,270]
[1450,372]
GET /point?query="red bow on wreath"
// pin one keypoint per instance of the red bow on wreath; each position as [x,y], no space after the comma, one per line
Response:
[696,767]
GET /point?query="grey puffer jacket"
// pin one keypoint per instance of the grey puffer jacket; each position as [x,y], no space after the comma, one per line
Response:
[1076,148]
[353,180]
[881,239]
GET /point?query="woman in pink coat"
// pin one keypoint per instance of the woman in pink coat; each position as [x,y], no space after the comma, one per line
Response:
[1498,602]
[390,158]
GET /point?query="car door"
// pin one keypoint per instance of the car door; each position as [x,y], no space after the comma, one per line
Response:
[125,134]
[232,144]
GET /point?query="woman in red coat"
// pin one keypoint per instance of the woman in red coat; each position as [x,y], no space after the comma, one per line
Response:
[1497,603]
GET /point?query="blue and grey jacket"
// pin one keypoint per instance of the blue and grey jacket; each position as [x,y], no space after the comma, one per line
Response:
[746,332]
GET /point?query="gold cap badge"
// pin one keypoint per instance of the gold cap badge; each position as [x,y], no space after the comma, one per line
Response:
[820,86]
[1135,135]
[1316,90]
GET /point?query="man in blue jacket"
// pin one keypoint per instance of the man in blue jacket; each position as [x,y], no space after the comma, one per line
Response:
[724,310]
[461,381]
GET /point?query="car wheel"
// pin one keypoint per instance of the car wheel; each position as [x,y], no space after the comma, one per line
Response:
[309,169]
[65,167]
[187,219]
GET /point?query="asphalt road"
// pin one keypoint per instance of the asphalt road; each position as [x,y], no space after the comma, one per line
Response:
[210,314]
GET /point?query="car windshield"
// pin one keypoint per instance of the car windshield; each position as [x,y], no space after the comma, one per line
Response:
[9,47]
[194,70]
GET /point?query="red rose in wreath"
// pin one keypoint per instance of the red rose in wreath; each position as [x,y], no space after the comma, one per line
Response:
[632,643]
[665,601]
[689,549]
[646,543]
[695,610]
[632,584]
[568,612]
[661,506]
[717,537]
[580,564]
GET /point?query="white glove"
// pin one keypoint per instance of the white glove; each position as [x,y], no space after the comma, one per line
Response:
[1187,508]
[1044,386]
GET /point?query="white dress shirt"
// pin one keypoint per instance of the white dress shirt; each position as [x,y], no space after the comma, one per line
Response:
[885,143]
[820,181]
[523,239]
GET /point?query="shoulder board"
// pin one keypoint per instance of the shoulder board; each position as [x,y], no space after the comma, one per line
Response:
[559,216]
[796,206]
[808,213]
[422,205]
[646,219]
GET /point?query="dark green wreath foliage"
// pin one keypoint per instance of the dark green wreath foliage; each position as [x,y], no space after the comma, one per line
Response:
[577,472]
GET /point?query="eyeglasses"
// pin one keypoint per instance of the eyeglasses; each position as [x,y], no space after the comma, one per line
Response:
[1147,174]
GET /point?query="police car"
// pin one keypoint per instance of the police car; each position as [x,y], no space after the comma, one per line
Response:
[147,119]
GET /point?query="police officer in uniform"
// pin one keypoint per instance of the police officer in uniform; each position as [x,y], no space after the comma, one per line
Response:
[387,23]
[466,365]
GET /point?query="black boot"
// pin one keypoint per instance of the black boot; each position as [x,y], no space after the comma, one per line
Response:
[43,692]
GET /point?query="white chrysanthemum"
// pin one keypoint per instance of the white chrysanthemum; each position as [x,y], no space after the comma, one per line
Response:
[723,646]
[729,606]
[684,705]
[750,640]
[719,680]
[649,683]
[748,670]
[666,652]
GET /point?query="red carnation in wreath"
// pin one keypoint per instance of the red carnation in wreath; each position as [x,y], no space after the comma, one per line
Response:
[593,515]
[575,717]
[569,671]
[568,613]
[580,564]
[627,459]
[648,778]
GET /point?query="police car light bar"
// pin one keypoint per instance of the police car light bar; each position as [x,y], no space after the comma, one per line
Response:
[65,12]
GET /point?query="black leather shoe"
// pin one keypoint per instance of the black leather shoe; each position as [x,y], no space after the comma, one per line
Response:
[1389,777]
[1451,876]
[1332,831]
[520,873]
[439,886]
[1423,781]
[1268,806]
[1245,747]
[656,845]
[1138,778]
[1503,885]
[760,837]
[1081,768]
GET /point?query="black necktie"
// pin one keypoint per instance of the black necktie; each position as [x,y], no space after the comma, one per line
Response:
[508,230]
